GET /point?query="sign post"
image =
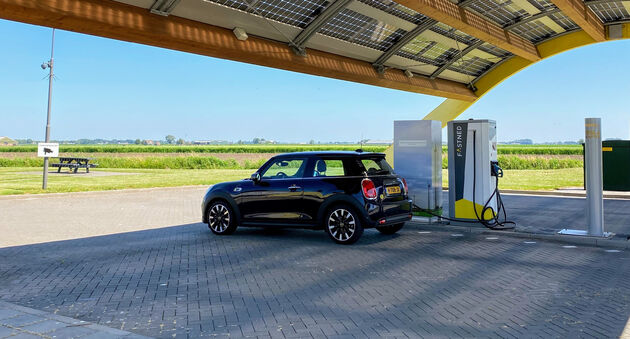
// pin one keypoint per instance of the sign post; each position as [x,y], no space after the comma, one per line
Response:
[49,65]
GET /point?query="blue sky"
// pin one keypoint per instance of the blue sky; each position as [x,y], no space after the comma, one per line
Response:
[111,89]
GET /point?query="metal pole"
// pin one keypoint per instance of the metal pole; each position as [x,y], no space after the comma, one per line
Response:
[50,83]
[594,178]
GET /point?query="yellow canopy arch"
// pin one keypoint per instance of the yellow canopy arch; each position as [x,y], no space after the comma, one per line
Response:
[450,109]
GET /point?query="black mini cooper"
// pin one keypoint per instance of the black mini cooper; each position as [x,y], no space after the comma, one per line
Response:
[341,192]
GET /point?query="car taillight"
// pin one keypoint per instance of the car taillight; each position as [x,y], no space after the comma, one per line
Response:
[406,187]
[369,190]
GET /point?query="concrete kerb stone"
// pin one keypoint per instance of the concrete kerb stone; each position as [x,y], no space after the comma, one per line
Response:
[560,238]
[69,322]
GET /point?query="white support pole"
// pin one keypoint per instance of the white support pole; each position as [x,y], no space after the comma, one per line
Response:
[594,177]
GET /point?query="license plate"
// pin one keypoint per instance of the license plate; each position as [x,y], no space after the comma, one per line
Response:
[393,190]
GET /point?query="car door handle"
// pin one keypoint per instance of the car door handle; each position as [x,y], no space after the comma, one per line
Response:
[294,187]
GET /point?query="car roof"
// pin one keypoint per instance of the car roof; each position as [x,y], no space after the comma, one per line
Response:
[333,153]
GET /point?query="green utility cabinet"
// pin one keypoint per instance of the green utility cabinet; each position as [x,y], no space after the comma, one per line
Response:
[616,165]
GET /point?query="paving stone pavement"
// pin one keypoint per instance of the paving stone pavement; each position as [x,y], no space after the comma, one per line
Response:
[164,275]
[184,281]
[22,322]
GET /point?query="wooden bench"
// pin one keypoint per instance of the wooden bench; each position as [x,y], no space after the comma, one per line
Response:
[74,164]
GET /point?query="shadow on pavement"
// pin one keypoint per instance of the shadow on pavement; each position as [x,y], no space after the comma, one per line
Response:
[185,281]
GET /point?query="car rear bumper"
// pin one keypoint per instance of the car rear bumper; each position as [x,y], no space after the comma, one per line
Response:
[385,214]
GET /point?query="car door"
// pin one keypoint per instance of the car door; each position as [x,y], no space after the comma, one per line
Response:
[277,196]
[326,177]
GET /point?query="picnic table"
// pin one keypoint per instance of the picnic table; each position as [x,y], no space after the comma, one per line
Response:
[74,164]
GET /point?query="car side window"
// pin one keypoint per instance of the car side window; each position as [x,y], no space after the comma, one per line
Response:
[285,168]
[329,168]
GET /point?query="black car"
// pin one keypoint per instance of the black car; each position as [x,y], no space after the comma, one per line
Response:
[340,192]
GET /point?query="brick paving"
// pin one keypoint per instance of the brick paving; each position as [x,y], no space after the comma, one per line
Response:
[183,281]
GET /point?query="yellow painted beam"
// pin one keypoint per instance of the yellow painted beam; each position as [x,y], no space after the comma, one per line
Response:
[583,16]
[473,24]
[450,109]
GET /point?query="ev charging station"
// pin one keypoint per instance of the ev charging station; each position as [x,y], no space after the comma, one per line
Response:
[472,160]
[473,169]
[418,159]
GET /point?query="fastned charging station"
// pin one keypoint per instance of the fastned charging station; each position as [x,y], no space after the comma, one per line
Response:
[473,172]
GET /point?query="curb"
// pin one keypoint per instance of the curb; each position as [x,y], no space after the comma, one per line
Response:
[102,331]
[614,242]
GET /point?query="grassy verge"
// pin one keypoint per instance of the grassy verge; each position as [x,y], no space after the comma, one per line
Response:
[147,162]
[508,162]
[23,180]
[536,179]
[196,148]
[29,180]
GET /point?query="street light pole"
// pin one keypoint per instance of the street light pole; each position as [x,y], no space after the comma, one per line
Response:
[49,64]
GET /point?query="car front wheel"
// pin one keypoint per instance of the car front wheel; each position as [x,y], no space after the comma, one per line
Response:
[221,218]
[343,225]
[391,229]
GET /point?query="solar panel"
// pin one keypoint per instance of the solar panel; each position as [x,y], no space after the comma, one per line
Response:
[427,51]
[543,4]
[452,33]
[354,27]
[297,13]
[492,49]
[473,66]
[501,12]
[396,10]
[611,11]
[534,31]
[564,21]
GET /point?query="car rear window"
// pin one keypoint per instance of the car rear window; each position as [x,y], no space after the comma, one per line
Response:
[376,166]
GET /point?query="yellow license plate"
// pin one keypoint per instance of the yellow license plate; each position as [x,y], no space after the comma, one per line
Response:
[393,190]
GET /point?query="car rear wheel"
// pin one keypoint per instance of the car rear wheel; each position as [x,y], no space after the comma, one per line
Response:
[221,218]
[343,225]
[391,229]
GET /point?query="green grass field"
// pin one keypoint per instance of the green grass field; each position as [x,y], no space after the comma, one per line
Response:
[23,180]
[502,149]
[284,148]
[29,180]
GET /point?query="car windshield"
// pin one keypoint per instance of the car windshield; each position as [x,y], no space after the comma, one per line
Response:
[376,166]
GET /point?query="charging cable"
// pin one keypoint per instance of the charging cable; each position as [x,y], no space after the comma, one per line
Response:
[494,223]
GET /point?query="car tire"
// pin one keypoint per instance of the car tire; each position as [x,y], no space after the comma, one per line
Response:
[391,229]
[221,220]
[343,225]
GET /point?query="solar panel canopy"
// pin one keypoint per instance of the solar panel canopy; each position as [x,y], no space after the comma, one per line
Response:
[390,35]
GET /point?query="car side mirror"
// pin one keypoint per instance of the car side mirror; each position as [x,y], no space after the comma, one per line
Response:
[255,177]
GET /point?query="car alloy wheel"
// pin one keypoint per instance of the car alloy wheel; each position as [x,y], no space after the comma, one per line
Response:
[219,218]
[341,225]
